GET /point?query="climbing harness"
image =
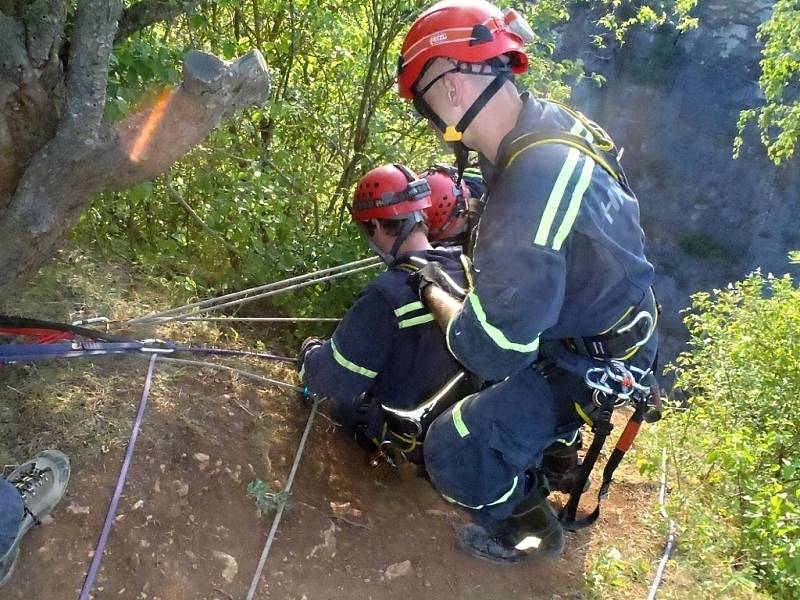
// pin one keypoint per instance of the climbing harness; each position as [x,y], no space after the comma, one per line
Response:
[404,431]
[595,143]
[615,385]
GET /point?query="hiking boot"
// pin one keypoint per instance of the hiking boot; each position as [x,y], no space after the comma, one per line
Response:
[41,482]
[532,531]
[562,467]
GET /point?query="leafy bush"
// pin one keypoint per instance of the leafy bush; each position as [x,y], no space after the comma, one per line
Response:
[736,449]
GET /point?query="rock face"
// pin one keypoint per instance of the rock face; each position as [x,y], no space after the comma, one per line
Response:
[673,102]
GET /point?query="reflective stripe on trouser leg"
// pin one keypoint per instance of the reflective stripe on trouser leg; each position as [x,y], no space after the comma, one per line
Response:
[509,425]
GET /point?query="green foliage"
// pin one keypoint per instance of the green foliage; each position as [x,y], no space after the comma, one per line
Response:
[610,573]
[621,15]
[778,120]
[736,449]
[266,500]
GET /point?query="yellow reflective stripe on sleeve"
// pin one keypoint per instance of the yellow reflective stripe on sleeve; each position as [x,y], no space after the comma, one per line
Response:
[426,318]
[407,308]
[556,195]
[447,333]
[460,426]
[350,366]
[574,204]
[500,500]
[495,334]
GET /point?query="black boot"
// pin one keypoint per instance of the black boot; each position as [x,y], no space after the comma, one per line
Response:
[532,531]
[562,466]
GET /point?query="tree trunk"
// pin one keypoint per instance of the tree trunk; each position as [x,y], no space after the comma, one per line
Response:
[56,152]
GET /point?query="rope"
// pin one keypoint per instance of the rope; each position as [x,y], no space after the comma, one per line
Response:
[671,536]
[276,287]
[263,319]
[279,514]
[266,294]
[247,374]
[33,352]
[94,569]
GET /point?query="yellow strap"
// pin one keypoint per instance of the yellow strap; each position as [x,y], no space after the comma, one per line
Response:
[586,418]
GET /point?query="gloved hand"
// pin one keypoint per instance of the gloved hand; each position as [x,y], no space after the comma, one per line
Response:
[433,274]
[309,344]
[306,396]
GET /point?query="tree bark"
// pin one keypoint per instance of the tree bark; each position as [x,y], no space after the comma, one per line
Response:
[148,12]
[86,157]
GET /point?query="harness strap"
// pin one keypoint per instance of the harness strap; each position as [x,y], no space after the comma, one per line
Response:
[539,138]
[601,428]
[623,339]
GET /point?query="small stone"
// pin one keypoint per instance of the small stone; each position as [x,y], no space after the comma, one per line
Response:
[77,509]
[202,460]
[231,566]
[181,488]
[138,505]
[135,561]
[144,543]
[400,569]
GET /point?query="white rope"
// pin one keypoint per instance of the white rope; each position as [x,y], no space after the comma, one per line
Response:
[247,374]
[266,294]
[279,514]
[286,284]
[671,536]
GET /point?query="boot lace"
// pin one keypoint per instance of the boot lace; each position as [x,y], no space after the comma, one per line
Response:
[29,485]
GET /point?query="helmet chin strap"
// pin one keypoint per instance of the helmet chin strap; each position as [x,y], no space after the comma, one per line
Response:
[405,230]
[453,134]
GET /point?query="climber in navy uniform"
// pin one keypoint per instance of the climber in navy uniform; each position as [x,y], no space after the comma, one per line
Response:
[388,351]
[560,282]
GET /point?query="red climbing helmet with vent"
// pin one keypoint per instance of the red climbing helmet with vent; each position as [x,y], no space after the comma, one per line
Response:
[469,31]
[447,214]
[389,192]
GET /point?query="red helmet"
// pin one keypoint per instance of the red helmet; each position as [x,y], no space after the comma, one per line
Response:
[470,31]
[390,192]
[448,213]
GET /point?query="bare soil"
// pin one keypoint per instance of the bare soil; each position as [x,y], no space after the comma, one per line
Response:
[186,528]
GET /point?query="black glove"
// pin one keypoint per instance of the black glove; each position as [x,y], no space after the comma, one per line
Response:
[309,344]
[433,274]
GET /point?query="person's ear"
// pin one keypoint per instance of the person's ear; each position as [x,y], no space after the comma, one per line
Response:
[454,88]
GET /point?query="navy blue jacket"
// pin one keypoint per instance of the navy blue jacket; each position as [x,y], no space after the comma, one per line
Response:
[559,251]
[388,343]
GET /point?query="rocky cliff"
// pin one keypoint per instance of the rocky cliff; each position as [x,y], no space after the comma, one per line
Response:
[672,101]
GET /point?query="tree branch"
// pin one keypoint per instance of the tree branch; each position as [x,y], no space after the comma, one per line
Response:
[90,51]
[65,174]
[148,12]
[44,26]
[177,197]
